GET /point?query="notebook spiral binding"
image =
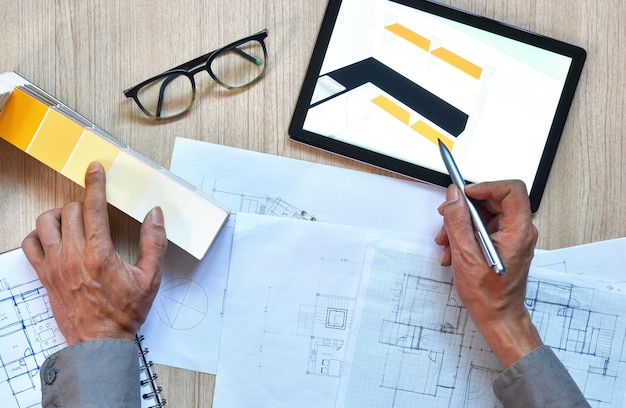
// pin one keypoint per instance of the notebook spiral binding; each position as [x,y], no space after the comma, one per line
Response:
[150,377]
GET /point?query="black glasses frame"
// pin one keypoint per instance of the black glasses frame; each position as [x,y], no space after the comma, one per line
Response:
[190,68]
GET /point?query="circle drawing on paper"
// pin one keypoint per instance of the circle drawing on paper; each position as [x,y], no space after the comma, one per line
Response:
[182,304]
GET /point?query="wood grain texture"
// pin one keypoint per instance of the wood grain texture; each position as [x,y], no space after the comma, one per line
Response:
[87,53]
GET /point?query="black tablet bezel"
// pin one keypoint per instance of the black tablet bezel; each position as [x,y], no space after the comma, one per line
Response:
[577,54]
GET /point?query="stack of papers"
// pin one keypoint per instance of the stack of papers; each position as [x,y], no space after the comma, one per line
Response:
[333,294]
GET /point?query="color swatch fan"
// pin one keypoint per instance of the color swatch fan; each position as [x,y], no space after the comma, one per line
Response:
[54,134]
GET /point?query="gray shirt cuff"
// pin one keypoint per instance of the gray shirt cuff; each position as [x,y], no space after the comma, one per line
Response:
[100,373]
[538,379]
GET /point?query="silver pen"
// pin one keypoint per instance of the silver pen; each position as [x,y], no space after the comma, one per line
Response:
[489,250]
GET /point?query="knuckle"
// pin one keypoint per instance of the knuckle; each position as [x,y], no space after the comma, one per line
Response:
[45,218]
[70,209]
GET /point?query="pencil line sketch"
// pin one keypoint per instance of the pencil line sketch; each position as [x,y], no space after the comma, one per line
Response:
[316,323]
[182,303]
[319,325]
[584,334]
[261,205]
[28,335]
[420,348]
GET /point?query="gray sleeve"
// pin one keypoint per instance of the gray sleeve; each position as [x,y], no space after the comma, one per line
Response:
[101,373]
[539,379]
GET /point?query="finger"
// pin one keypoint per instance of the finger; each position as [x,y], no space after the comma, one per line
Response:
[72,224]
[95,215]
[441,207]
[441,238]
[497,195]
[446,256]
[31,245]
[464,249]
[507,200]
[48,227]
[456,218]
[152,242]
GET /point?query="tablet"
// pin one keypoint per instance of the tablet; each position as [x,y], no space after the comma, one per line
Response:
[389,78]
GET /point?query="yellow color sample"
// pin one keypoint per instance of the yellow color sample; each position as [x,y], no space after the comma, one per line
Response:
[21,118]
[458,62]
[393,108]
[431,133]
[409,35]
[55,140]
[127,181]
[90,147]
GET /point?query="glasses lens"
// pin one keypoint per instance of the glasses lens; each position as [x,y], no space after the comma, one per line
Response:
[167,96]
[239,66]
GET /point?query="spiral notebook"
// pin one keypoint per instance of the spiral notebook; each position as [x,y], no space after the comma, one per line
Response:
[151,392]
[29,334]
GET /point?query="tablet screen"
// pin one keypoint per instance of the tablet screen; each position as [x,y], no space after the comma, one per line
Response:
[388,79]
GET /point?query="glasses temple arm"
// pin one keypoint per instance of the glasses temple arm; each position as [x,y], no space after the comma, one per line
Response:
[248,56]
[201,59]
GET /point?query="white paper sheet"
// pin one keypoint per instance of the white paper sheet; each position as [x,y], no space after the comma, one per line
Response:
[601,263]
[259,183]
[408,341]
[289,311]
[183,327]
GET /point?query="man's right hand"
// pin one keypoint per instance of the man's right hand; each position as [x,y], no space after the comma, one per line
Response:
[495,303]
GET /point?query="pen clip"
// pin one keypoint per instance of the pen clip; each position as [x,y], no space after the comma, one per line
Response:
[485,245]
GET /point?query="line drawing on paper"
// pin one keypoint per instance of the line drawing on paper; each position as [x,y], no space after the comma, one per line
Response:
[182,303]
[318,323]
[254,204]
[428,352]
[28,335]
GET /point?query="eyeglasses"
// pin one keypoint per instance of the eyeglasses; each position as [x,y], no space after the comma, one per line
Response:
[172,93]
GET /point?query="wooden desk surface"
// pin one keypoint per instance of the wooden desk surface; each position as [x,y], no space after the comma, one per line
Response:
[86,53]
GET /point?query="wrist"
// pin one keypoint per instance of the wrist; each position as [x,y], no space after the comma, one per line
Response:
[511,337]
[102,331]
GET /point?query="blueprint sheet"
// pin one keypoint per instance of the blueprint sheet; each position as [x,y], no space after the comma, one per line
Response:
[184,325]
[28,332]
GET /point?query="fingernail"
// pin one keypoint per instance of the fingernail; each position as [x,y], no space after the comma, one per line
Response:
[470,187]
[156,217]
[93,167]
[452,195]
[439,235]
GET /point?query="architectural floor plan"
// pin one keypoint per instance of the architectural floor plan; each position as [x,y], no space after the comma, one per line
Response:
[320,324]
[416,346]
